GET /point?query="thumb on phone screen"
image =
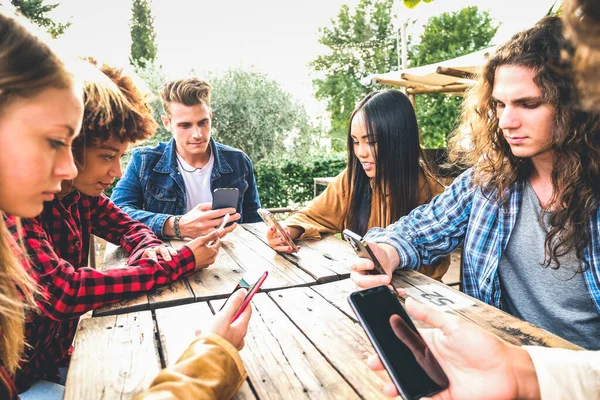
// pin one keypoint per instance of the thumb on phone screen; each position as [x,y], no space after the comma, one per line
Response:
[234,332]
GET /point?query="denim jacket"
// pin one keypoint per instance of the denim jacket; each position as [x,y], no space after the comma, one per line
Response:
[152,188]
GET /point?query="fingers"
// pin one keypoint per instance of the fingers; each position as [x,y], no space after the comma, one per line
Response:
[430,316]
[204,207]
[229,229]
[374,362]
[233,303]
[151,254]
[389,390]
[165,252]
[203,240]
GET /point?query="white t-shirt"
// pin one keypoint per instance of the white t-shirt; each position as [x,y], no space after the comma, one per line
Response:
[197,182]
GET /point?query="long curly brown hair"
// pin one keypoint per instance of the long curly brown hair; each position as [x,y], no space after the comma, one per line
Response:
[114,108]
[582,27]
[480,144]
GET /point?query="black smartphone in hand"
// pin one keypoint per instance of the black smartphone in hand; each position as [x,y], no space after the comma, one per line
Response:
[225,198]
[409,362]
[363,250]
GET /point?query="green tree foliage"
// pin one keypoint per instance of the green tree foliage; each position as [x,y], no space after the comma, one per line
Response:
[253,113]
[414,3]
[153,77]
[447,36]
[290,181]
[143,47]
[37,12]
[360,41]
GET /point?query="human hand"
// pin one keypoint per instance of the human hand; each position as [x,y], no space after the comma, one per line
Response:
[278,243]
[362,267]
[478,364]
[221,324]
[206,248]
[202,220]
[164,250]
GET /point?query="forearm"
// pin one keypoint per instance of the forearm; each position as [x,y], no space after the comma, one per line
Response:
[210,368]
[566,374]
[524,374]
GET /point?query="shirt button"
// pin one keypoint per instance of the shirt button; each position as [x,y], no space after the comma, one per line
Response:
[488,280]
[77,243]
[160,195]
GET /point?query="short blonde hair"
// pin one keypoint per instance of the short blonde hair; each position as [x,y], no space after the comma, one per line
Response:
[188,92]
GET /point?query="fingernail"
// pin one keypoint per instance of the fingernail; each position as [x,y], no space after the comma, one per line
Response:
[272,229]
[282,240]
[289,248]
[298,247]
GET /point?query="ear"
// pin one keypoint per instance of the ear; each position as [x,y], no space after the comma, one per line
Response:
[166,122]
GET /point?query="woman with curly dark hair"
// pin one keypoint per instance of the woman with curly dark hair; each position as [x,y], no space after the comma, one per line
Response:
[527,209]
[57,243]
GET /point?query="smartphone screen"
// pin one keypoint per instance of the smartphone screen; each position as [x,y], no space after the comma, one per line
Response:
[251,281]
[270,220]
[362,250]
[409,362]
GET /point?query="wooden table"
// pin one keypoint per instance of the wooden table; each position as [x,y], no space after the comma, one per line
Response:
[303,340]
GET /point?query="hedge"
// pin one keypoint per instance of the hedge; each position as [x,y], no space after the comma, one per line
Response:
[290,182]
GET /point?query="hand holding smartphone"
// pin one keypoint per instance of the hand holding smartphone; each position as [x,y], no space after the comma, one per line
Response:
[403,352]
[225,220]
[252,281]
[272,223]
[363,250]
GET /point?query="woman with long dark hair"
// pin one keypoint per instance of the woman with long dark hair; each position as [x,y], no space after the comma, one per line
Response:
[386,177]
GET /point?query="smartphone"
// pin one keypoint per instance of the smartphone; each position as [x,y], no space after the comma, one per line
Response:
[223,223]
[252,281]
[409,362]
[363,250]
[272,222]
[225,198]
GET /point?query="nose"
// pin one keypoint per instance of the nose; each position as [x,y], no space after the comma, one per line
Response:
[196,132]
[508,118]
[363,150]
[116,171]
[65,167]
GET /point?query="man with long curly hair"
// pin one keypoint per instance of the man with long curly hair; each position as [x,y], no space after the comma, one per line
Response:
[501,370]
[526,211]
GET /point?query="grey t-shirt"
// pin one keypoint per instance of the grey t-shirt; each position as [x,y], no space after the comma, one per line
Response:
[554,299]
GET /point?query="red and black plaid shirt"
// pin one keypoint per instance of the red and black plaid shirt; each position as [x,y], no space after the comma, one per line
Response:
[8,391]
[57,244]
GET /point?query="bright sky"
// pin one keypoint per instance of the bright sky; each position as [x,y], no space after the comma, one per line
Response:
[276,37]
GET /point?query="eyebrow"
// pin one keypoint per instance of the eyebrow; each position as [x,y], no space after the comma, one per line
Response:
[106,147]
[523,99]
[187,122]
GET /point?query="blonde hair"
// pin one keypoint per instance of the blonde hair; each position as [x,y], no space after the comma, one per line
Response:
[27,66]
[188,92]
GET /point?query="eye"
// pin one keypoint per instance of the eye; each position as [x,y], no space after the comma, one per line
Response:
[372,142]
[532,105]
[56,144]
[108,157]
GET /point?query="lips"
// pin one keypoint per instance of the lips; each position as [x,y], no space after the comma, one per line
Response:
[515,139]
[105,185]
[367,165]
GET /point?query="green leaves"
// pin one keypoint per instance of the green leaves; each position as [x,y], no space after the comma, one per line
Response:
[143,37]
[37,12]
[360,42]
[414,3]
[253,113]
[283,182]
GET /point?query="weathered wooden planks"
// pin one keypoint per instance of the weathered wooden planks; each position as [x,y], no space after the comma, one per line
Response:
[509,328]
[319,264]
[115,357]
[250,252]
[282,363]
[177,329]
[341,340]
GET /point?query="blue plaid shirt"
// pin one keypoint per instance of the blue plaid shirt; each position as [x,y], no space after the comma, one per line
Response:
[462,214]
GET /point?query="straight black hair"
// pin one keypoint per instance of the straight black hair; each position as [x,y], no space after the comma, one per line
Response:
[393,134]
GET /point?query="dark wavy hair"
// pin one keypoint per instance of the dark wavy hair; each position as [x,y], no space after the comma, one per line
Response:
[575,138]
[114,108]
[392,130]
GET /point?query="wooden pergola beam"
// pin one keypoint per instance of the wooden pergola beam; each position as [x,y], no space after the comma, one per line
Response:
[438,89]
[456,73]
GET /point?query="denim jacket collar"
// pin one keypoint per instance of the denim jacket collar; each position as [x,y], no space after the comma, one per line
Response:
[168,161]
